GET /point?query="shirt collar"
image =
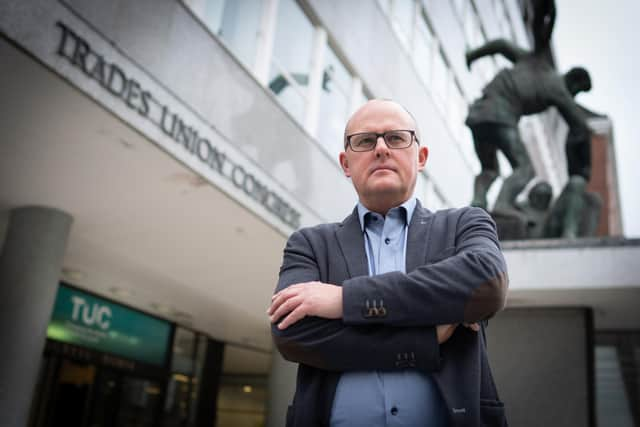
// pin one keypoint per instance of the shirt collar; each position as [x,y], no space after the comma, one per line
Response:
[409,206]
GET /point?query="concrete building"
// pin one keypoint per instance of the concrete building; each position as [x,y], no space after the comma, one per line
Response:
[157,154]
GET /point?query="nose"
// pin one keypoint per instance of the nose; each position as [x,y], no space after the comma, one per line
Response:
[381,148]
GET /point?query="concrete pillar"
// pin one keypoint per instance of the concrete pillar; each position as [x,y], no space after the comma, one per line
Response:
[30,265]
[282,386]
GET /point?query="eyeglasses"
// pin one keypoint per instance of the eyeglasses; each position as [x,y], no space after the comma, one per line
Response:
[395,139]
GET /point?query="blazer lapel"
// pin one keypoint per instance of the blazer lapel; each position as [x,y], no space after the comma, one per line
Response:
[418,237]
[351,242]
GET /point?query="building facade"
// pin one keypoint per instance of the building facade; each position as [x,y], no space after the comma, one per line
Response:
[157,154]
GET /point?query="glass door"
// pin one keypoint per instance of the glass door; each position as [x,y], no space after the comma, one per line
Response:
[71,394]
[124,401]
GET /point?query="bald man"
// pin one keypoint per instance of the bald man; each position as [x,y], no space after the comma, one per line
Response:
[384,312]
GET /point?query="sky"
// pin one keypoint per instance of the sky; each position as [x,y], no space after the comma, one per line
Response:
[603,37]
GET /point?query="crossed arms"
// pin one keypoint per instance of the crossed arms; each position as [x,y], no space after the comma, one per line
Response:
[466,287]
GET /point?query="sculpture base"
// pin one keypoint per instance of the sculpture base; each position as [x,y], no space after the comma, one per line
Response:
[511,226]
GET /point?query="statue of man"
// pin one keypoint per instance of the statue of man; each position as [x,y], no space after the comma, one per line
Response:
[530,87]
[535,210]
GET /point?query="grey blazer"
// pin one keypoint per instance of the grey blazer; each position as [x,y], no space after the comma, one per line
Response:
[455,273]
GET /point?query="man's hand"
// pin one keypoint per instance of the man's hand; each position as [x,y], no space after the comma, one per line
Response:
[444,332]
[306,299]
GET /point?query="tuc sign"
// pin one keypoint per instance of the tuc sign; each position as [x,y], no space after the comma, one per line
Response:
[89,321]
[99,315]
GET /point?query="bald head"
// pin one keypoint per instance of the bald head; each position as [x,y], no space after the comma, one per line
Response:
[361,120]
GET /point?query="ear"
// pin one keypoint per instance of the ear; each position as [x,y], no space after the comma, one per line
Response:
[423,154]
[344,162]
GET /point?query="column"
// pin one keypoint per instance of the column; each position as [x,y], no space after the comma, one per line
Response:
[282,386]
[30,266]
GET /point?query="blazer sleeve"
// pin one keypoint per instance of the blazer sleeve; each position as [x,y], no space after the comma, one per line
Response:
[470,285]
[331,345]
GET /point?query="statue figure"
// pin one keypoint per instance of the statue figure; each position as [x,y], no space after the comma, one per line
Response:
[535,211]
[530,87]
[575,213]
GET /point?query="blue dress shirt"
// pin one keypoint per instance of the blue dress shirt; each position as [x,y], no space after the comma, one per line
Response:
[387,398]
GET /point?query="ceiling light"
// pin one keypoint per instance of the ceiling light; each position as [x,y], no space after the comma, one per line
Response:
[121,292]
[73,274]
[164,309]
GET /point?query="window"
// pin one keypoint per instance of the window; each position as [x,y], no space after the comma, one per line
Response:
[291,61]
[402,14]
[359,99]
[182,388]
[385,5]
[472,29]
[440,82]
[503,19]
[242,395]
[334,102]
[423,50]
[460,7]
[236,22]
[457,110]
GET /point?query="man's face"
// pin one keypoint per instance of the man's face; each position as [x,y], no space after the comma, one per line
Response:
[383,178]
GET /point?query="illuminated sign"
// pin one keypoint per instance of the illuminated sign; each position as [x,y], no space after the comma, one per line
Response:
[86,320]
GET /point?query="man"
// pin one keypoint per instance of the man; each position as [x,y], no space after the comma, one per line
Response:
[358,303]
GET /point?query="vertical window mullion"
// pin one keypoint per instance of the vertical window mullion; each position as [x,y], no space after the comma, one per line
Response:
[417,11]
[315,80]
[355,95]
[266,36]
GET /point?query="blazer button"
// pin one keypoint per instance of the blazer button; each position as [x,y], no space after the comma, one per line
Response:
[394,411]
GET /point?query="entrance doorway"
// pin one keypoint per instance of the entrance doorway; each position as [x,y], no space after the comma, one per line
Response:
[80,394]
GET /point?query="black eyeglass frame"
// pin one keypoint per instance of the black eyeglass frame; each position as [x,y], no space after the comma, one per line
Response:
[378,135]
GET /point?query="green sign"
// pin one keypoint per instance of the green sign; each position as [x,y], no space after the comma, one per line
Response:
[85,320]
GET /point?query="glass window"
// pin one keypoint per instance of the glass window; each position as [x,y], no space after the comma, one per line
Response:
[236,22]
[423,50]
[239,28]
[460,7]
[291,62]
[199,362]
[402,18]
[177,402]
[440,81]
[432,199]
[334,103]
[242,395]
[455,113]
[385,5]
[617,370]
[472,29]
[358,102]
[213,11]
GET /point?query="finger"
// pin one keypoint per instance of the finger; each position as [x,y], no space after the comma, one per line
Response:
[285,308]
[472,326]
[293,317]
[281,297]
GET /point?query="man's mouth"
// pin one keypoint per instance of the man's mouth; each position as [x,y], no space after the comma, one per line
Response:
[382,168]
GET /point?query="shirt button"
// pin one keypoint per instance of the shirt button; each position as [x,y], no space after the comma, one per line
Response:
[394,411]
[387,240]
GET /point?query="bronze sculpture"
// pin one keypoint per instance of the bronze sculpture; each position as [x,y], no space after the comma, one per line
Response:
[531,86]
